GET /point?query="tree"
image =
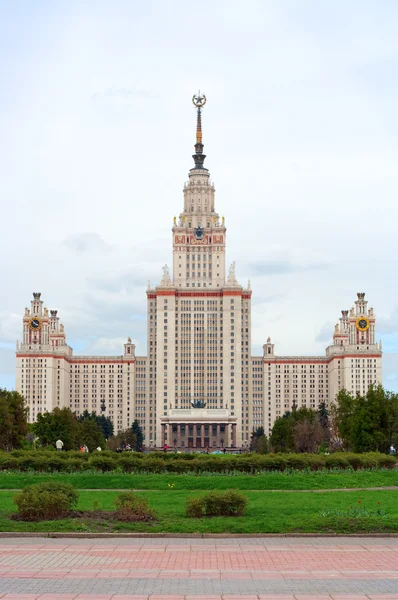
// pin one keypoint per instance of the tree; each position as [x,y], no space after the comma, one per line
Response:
[61,424]
[323,416]
[259,442]
[136,429]
[308,435]
[91,434]
[282,439]
[13,420]
[122,439]
[367,423]
[103,422]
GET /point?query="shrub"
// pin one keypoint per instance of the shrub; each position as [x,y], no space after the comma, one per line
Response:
[131,507]
[230,503]
[334,461]
[44,501]
[194,508]
[75,464]
[128,463]
[102,463]
[387,462]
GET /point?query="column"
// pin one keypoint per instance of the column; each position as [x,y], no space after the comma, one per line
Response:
[162,436]
[194,435]
[218,436]
[202,436]
[178,435]
[234,434]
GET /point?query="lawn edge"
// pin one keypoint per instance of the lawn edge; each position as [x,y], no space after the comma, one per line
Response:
[37,534]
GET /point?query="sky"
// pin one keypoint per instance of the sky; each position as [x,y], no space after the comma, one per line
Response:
[97,130]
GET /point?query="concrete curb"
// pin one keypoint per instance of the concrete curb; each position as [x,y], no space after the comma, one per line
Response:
[76,535]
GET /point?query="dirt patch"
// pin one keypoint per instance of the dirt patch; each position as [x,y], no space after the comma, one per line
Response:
[99,516]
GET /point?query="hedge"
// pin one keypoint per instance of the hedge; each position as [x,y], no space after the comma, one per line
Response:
[159,462]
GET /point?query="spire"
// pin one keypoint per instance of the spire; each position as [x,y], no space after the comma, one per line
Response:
[199,101]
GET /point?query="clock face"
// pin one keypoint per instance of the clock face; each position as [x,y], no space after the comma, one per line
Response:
[362,324]
[199,232]
[35,323]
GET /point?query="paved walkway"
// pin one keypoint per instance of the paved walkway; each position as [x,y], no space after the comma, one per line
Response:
[199,569]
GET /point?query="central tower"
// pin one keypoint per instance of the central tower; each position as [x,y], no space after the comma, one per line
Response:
[199,323]
[199,237]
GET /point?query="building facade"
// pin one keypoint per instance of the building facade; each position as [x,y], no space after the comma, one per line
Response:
[198,386]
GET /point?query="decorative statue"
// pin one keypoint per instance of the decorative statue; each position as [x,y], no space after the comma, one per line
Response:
[198,404]
[166,271]
[175,221]
[232,271]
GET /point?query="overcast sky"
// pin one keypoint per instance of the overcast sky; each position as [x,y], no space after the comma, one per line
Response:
[97,131]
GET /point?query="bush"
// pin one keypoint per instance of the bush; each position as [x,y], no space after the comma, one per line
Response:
[128,463]
[45,501]
[131,507]
[387,462]
[336,461]
[194,508]
[102,463]
[217,504]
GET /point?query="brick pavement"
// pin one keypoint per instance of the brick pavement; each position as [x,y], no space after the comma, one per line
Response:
[199,569]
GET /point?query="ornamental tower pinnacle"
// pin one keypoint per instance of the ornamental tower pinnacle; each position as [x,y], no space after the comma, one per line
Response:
[199,233]
[199,101]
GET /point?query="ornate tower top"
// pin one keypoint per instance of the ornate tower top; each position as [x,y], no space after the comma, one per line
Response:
[199,101]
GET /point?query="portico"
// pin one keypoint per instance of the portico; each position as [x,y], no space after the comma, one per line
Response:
[199,428]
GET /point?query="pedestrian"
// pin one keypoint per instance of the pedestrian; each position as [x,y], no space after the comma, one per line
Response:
[85,448]
[59,445]
[225,450]
[392,450]
[81,449]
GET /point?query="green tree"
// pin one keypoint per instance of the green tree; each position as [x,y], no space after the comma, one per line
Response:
[282,439]
[367,423]
[104,423]
[323,416]
[61,424]
[91,435]
[13,420]
[136,429]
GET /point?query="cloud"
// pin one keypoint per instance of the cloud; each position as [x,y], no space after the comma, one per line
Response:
[326,333]
[266,299]
[123,96]
[86,242]
[10,327]
[280,267]
[388,323]
[118,282]
[107,346]
[390,370]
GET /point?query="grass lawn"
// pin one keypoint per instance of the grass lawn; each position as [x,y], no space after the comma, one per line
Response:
[266,513]
[315,480]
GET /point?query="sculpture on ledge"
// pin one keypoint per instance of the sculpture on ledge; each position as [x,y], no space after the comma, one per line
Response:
[198,404]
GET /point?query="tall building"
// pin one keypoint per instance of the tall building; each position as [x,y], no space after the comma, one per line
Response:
[198,386]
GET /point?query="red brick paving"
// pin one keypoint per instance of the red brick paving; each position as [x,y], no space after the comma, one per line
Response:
[212,561]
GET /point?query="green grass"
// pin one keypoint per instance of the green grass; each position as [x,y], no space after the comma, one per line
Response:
[315,480]
[266,513]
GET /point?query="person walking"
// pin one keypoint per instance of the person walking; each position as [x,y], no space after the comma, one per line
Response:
[392,450]
[59,445]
